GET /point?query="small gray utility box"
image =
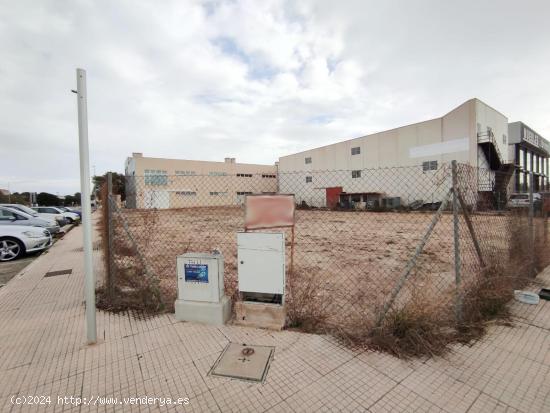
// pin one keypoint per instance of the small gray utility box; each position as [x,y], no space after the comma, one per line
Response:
[201,295]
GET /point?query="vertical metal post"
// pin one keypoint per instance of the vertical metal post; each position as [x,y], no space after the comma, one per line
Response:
[531,226]
[111,266]
[456,231]
[412,261]
[91,333]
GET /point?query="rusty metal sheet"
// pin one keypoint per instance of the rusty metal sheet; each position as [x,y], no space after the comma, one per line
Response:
[269,211]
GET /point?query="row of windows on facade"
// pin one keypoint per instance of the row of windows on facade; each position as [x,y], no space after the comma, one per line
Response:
[523,180]
[212,193]
[354,151]
[532,162]
[155,172]
[160,177]
[426,166]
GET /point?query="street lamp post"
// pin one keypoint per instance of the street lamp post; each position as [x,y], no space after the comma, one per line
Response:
[91,330]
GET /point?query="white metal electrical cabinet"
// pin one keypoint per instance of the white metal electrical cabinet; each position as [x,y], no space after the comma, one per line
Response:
[200,277]
[261,262]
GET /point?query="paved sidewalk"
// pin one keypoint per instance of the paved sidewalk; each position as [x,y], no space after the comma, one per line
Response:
[42,353]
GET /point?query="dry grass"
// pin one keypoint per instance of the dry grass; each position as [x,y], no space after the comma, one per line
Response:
[345,265]
[128,286]
[306,303]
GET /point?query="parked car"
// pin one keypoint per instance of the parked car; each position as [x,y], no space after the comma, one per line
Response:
[51,213]
[18,240]
[22,208]
[10,216]
[73,210]
[70,216]
[521,200]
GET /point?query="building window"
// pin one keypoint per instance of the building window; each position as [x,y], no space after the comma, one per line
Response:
[156,177]
[521,186]
[217,193]
[504,139]
[356,174]
[528,164]
[309,179]
[269,176]
[429,166]
[244,175]
[215,173]
[186,193]
[185,173]
[356,150]
[521,158]
[244,193]
[308,160]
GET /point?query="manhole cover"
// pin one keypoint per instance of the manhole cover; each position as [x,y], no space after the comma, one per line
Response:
[243,361]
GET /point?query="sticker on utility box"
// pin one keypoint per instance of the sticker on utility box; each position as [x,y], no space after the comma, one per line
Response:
[196,273]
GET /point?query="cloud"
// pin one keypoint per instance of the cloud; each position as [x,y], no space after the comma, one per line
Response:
[248,79]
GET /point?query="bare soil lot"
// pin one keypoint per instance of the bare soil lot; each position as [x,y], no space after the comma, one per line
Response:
[354,257]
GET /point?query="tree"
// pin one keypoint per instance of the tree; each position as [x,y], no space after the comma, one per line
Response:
[73,199]
[44,198]
[119,183]
[15,198]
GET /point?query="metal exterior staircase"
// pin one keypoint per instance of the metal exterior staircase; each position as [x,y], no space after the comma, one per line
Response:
[503,171]
[488,143]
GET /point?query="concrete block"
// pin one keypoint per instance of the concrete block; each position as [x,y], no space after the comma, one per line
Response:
[204,312]
[260,315]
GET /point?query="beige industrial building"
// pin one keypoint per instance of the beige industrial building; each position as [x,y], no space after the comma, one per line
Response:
[176,183]
[383,165]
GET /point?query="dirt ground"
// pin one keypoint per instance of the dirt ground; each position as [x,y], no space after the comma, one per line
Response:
[355,257]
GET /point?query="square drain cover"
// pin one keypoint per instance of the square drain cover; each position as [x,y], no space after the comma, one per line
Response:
[243,361]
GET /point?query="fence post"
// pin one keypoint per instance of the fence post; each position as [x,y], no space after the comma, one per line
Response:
[412,261]
[110,266]
[471,229]
[531,227]
[456,232]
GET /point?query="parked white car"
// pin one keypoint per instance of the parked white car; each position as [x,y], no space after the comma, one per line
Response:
[71,217]
[51,213]
[12,216]
[16,240]
[521,200]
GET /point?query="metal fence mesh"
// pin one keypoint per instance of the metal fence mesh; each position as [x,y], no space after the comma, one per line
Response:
[357,237]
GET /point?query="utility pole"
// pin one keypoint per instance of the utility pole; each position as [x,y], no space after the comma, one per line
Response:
[91,329]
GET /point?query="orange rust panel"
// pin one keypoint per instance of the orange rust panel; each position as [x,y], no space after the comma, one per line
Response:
[269,211]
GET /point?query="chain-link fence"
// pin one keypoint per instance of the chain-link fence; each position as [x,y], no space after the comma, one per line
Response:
[371,246]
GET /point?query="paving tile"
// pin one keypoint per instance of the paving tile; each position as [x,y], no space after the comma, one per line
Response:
[354,386]
[403,399]
[324,356]
[487,404]
[240,396]
[288,374]
[395,368]
[200,340]
[441,389]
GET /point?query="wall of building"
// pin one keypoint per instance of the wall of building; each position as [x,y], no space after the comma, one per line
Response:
[530,154]
[176,183]
[454,136]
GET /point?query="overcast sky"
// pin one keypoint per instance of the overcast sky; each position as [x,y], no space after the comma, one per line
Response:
[251,79]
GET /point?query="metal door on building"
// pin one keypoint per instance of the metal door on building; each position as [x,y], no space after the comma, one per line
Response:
[333,196]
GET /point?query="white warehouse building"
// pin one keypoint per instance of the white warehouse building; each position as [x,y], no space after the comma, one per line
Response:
[403,163]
